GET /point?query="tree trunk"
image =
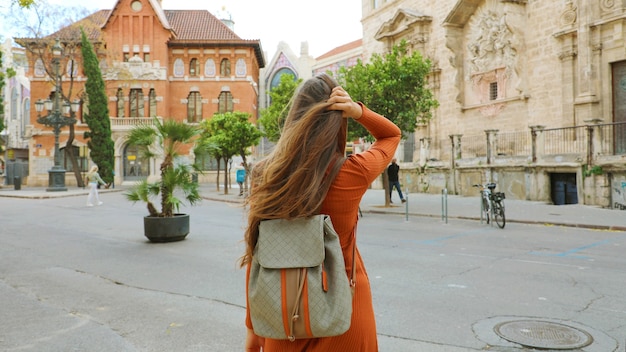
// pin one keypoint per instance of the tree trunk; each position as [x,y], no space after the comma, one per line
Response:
[69,151]
[386,188]
[226,173]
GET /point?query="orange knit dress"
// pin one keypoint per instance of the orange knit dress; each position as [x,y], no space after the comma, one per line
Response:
[342,204]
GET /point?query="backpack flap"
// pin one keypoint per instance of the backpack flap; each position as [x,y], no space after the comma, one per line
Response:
[296,243]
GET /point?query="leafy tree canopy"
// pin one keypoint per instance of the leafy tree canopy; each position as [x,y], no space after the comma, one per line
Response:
[394,85]
[102,149]
[273,117]
[231,134]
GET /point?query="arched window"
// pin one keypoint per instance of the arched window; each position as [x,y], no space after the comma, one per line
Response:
[66,160]
[72,68]
[225,102]
[120,103]
[240,68]
[40,70]
[136,166]
[25,114]
[225,68]
[194,68]
[179,68]
[194,107]
[136,103]
[209,68]
[14,106]
[152,107]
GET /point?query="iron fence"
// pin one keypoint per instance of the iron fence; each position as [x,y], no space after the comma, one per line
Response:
[585,141]
[513,144]
[565,140]
[612,138]
[473,146]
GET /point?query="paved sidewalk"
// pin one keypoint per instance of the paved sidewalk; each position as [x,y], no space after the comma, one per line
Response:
[419,204]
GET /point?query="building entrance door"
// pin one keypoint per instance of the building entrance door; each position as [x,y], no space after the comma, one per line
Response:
[136,167]
[619,106]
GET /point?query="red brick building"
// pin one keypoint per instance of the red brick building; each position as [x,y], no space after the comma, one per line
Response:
[181,64]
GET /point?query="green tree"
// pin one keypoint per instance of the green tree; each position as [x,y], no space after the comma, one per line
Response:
[233,134]
[393,85]
[99,137]
[25,3]
[273,118]
[37,20]
[5,73]
[167,139]
[244,136]
[2,84]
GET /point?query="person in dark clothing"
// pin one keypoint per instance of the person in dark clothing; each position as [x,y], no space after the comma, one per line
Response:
[392,173]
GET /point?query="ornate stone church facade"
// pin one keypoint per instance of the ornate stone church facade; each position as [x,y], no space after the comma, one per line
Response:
[532,95]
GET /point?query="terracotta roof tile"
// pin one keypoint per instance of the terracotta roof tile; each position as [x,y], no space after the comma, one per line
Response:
[198,25]
[340,49]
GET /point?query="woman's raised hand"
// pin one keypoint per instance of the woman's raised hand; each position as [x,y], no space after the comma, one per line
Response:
[341,100]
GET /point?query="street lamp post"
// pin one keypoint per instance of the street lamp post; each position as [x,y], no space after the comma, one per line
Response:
[56,119]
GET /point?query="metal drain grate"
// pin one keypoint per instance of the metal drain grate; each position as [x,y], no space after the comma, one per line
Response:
[543,334]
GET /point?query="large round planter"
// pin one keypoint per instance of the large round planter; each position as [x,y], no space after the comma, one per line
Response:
[158,229]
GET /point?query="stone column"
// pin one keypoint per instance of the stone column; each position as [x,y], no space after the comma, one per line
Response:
[536,133]
[424,151]
[456,155]
[586,102]
[491,145]
[456,148]
[594,140]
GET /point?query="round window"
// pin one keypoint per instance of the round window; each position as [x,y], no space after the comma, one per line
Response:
[136,5]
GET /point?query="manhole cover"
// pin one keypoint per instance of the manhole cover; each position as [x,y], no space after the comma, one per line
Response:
[543,334]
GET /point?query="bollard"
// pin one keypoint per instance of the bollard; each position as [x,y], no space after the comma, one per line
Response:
[482,207]
[444,204]
[406,208]
[406,204]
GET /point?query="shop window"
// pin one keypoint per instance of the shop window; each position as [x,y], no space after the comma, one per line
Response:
[66,159]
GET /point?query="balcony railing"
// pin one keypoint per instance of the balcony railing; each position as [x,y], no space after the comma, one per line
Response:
[129,122]
[585,143]
[566,140]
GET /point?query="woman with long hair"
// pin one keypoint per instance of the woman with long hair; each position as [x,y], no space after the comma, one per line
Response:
[293,182]
[93,179]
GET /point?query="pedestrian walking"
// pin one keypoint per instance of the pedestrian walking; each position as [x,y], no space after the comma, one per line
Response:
[93,179]
[241,177]
[294,182]
[392,173]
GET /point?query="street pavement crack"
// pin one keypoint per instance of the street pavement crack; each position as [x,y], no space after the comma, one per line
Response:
[160,291]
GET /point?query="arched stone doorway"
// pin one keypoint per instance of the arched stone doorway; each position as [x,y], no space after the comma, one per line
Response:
[135,166]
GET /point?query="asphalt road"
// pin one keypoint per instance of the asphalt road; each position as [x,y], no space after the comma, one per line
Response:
[74,278]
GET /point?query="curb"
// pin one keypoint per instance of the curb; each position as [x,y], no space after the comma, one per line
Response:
[529,222]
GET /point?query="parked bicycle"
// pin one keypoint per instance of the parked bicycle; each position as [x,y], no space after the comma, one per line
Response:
[492,204]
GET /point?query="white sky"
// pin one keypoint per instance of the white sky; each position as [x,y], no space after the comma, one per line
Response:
[324,24]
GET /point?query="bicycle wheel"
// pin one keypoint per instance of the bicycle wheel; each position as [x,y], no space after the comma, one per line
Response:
[486,210]
[498,214]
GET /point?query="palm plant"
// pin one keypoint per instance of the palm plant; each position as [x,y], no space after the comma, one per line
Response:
[169,136]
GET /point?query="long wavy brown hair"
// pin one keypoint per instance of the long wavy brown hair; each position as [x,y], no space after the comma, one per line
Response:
[293,180]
